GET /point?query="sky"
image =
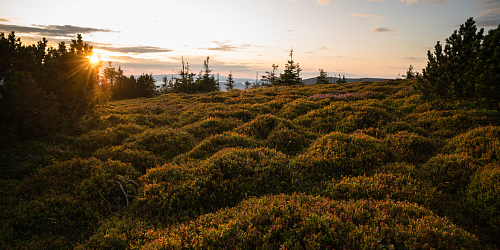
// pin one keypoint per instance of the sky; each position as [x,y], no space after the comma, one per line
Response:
[355,38]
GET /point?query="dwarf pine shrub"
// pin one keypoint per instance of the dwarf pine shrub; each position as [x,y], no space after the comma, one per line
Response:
[410,147]
[211,126]
[482,143]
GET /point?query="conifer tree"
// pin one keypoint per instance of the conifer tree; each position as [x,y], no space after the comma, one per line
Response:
[270,78]
[291,76]
[230,82]
[322,78]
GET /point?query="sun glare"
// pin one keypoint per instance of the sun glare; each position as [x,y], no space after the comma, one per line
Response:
[94,59]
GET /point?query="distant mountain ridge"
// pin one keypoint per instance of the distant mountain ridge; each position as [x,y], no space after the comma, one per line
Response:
[239,82]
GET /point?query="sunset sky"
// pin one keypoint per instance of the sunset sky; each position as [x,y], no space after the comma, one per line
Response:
[356,38]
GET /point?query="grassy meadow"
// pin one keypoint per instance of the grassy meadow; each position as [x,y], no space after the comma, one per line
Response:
[367,165]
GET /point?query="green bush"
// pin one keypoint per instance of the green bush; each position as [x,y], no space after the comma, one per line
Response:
[483,195]
[338,154]
[345,117]
[176,192]
[139,159]
[450,173]
[482,143]
[383,186]
[164,142]
[213,144]
[62,202]
[211,126]
[299,107]
[410,147]
[307,222]
[97,139]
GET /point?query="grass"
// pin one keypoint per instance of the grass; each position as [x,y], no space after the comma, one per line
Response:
[368,165]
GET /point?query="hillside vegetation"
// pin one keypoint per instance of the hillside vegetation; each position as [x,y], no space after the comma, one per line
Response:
[370,165]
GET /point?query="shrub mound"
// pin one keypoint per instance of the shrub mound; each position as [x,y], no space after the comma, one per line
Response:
[306,222]
[164,142]
[338,154]
[483,194]
[450,173]
[345,117]
[213,144]
[97,139]
[410,147]
[382,186]
[61,203]
[482,143]
[211,126]
[139,159]
[277,133]
[179,191]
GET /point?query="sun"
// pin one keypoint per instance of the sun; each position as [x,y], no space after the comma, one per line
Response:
[94,59]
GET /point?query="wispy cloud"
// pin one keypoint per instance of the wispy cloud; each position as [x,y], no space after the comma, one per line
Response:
[433,2]
[4,19]
[323,2]
[381,29]
[51,30]
[225,46]
[490,18]
[367,15]
[135,49]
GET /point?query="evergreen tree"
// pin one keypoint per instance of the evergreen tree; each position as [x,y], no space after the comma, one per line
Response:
[410,74]
[247,84]
[270,79]
[230,82]
[205,81]
[291,76]
[322,78]
[454,72]
[341,79]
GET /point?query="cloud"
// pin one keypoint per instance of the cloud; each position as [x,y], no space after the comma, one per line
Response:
[415,59]
[323,2]
[4,19]
[490,18]
[380,29]
[134,49]
[51,30]
[433,2]
[367,15]
[225,46]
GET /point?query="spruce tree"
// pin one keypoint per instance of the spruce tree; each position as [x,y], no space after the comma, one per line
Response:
[230,81]
[322,78]
[291,76]
[270,78]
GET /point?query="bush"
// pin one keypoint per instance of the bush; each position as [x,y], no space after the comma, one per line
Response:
[213,144]
[383,186]
[483,195]
[307,222]
[63,202]
[338,154]
[450,173]
[139,159]
[482,143]
[298,107]
[97,139]
[164,142]
[211,126]
[176,192]
[345,117]
[410,147]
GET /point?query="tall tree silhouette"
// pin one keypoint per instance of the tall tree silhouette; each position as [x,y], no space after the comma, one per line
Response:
[291,76]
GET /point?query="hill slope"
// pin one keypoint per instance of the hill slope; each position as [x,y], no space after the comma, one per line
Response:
[355,165]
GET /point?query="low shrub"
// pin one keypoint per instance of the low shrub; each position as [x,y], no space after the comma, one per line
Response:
[483,195]
[211,126]
[62,202]
[306,222]
[410,147]
[400,168]
[338,154]
[213,144]
[398,126]
[164,142]
[382,186]
[482,143]
[176,192]
[450,173]
[299,107]
[97,139]
[139,159]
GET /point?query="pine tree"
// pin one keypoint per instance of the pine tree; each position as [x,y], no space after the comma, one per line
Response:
[291,76]
[322,78]
[247,84]
[270,79]
[230,82]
